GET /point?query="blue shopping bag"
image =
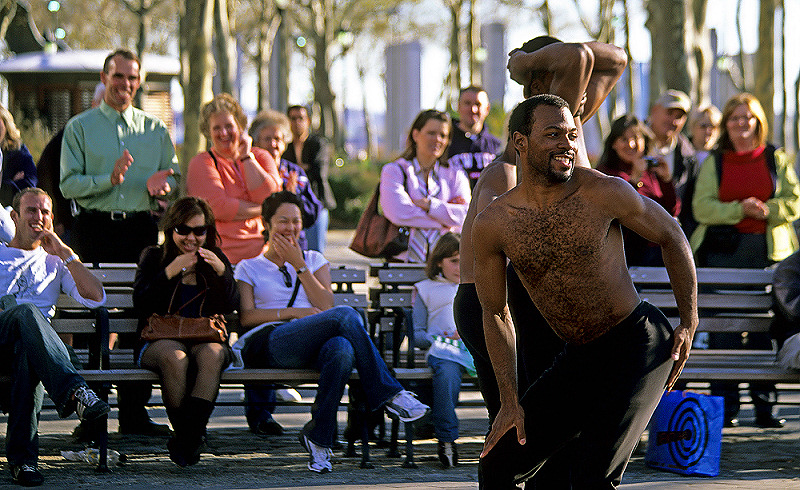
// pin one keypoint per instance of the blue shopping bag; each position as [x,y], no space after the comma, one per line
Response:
[686,434]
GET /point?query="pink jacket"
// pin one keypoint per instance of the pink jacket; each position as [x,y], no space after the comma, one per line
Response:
[223,186]
[443,186]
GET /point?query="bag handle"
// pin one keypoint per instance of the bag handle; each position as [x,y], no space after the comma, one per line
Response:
[296,288]
[202,303]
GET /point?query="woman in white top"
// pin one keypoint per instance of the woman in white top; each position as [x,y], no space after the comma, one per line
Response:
[288,321]
[435,330]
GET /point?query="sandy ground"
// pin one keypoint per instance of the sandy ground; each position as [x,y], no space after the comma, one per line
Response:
[235,458]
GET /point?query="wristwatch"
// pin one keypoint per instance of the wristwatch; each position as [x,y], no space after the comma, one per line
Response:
[301,270]
[71,258]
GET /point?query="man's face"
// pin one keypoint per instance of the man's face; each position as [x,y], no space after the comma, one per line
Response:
[473,107]
[299,121]
[666,123]
[122,81]
[550,149]
[35,215]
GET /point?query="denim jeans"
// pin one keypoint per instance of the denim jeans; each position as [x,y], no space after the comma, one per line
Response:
[316,235]
[32,352]
[446,387]
[333,342]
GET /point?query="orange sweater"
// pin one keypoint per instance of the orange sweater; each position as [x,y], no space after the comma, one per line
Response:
[224,188]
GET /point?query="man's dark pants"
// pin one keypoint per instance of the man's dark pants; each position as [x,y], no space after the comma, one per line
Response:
[537,347]
[31,351]
[102,236]
[598,397]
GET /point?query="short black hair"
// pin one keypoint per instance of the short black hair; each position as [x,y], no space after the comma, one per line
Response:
[125,54]
[538,43]
[298,107]
[521,119]
[472,88]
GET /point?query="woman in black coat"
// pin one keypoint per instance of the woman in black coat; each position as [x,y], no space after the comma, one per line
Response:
[190,268]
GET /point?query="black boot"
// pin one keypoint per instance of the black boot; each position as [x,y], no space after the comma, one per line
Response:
[197,412]
[176,445]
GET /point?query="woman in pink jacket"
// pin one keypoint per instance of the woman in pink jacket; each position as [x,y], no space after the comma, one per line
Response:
[421,191]
[233,177]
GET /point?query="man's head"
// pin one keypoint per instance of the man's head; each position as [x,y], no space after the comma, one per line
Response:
[299,120]
[32,213]
[668,114]
[473,107]
[121,77]
[545,137]
[540,79]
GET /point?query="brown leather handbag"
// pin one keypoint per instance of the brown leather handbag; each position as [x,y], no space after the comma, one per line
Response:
[375,235]
[176,327]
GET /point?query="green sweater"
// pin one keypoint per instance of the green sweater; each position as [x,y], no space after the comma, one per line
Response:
[784,207]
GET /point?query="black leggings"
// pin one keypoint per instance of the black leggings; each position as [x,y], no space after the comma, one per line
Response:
[598,395]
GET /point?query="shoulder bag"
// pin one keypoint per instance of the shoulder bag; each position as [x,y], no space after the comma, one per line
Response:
[375,235]
[173,326]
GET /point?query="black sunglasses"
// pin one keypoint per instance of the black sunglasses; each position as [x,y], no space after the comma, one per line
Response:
[184,230]
[287,278]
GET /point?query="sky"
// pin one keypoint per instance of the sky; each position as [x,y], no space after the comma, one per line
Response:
[721,15]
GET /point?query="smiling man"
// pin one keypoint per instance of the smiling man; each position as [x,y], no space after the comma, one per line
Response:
[473,147]
[560,228]
[118,163]
[35,267]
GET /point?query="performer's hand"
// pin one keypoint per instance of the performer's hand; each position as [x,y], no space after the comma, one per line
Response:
[506,419]
[121,167]
[680,353]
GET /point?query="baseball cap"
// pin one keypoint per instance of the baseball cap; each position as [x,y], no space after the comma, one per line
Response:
[674,99]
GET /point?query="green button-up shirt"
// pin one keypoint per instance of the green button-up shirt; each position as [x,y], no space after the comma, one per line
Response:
[95,139]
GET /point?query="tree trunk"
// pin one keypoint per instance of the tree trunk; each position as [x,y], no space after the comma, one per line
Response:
[362,70]
[197,22]
[225,49]
[473,43]
[671,64]
[454,75]
[764,88]
[323,92]
[703,54]
[141,44]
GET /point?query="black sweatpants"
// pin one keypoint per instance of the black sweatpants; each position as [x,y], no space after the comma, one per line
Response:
[597,397]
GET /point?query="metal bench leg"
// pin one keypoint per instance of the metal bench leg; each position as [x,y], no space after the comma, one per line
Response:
[409,462]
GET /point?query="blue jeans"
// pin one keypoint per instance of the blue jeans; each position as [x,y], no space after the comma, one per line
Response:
[446,387]
[333,342]
[32,352]
[317,234]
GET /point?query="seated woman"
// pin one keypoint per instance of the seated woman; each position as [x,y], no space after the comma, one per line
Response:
[623,156]
[288,321]
[233,177]
[421,191]
[435,330]
[19,170]
[190,271]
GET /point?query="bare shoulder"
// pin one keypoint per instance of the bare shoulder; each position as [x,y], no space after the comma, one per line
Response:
[491,220]
[612,193]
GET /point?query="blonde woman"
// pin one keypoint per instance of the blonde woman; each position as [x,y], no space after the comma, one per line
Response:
[19,171]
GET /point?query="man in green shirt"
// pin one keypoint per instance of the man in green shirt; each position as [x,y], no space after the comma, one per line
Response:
[116,160]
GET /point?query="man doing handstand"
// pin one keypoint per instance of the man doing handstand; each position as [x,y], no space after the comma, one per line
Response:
[560,228]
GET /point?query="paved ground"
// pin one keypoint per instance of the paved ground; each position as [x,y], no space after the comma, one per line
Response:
[751,457]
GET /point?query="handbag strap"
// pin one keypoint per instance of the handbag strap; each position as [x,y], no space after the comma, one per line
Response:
[169,308]
[296,287]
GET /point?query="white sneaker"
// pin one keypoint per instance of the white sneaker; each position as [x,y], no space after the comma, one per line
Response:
[319,458]
[406,407]
[288,395]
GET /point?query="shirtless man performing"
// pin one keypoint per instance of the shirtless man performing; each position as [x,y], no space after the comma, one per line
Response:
[560,227]
[583,74]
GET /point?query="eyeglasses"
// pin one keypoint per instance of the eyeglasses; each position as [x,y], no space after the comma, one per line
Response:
[287,278]
[184,230]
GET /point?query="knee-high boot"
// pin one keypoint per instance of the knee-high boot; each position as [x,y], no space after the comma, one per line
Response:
[197,411]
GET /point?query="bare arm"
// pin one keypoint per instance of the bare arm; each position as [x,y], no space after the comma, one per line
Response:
[89,287]
[609,63]
[650,220]
[490,282]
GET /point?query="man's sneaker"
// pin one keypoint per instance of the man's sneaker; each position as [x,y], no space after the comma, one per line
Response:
[448,454]
[319,458]
[88,405]
[26,475]
[406,407]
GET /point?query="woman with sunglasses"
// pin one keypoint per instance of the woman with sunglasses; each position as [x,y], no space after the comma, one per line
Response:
[190,268]
[288,320]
